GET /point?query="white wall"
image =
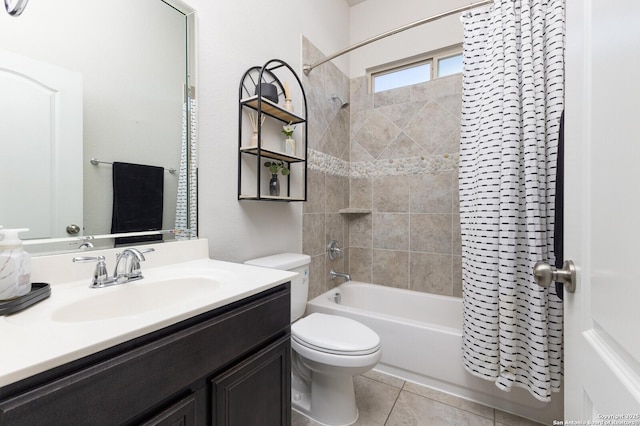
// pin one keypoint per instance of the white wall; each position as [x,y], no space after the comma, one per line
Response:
[233,36]
[373,17]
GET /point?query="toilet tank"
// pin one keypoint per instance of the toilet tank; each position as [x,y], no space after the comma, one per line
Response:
[293,262]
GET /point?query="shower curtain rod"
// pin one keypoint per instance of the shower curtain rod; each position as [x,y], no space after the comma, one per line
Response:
[307,68]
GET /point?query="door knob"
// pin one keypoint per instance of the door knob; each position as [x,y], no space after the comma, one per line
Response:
[545,274]
[73,229]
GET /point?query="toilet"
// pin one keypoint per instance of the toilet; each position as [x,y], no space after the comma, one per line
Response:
[327,351]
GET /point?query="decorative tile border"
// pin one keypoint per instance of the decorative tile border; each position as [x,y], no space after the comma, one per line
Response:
[321,162]
[426,164]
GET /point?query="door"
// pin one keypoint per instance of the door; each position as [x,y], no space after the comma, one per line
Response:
[41,145]
[256,391]
[602,203]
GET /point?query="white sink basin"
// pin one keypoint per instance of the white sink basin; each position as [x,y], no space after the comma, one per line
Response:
[136,298]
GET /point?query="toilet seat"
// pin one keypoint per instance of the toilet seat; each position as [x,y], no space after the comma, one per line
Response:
[336,335]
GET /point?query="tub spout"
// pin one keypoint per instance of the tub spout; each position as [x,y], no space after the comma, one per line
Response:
[334,274]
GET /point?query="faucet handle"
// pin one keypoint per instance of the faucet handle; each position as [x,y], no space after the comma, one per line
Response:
[334,251]
[100,275]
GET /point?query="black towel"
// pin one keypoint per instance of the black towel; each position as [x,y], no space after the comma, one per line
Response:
[137,201]
[558,241]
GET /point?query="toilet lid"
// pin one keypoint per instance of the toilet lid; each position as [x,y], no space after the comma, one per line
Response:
[335,334]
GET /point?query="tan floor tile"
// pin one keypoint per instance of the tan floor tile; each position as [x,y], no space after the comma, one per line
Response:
[385,378]
[445,398]
[374,400]
[412,409]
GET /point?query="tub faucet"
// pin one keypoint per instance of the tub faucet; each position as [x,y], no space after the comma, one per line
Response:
[335,274]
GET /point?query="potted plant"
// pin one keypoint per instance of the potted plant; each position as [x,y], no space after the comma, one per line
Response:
[289,142]
[274,168]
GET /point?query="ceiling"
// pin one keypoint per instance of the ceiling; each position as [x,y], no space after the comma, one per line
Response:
[353,2]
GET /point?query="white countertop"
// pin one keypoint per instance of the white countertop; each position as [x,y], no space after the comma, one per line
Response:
[36,340]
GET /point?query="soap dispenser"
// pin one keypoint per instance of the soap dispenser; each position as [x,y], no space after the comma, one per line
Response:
[15,265]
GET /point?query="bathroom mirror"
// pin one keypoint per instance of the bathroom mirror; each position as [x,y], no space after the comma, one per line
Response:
[103,81]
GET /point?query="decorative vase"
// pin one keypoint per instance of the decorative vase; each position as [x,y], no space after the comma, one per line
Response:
[290,146]
[254,139]
[288,105]
[274,185]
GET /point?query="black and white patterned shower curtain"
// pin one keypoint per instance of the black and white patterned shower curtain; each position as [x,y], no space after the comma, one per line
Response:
[512,99]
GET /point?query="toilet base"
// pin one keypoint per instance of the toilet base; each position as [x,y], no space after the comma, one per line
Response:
[330,400]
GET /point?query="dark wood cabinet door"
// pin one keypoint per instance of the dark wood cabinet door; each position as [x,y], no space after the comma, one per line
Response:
[182,413]
[256,391]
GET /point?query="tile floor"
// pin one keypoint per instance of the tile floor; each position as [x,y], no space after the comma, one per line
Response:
[388,401]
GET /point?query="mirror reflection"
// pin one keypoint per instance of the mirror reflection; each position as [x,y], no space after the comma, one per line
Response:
[103,81]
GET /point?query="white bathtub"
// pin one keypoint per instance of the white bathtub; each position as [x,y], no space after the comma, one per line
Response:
[421,342]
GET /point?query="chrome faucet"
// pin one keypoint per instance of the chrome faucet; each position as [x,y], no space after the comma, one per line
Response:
[128,265]
[127,268]
[335,274]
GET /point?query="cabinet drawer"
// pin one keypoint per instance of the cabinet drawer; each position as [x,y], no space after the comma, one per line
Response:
[116,390]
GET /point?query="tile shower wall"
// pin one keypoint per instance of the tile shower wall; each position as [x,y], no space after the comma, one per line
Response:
[396,154]
[328,169]
[403,167]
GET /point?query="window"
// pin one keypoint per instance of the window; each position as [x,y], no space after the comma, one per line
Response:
[406,76]
[450,65]
[416,70]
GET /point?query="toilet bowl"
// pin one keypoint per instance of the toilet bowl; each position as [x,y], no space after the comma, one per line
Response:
[333,350]
[327,351]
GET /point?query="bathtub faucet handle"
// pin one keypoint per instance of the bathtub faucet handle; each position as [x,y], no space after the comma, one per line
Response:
[334,251]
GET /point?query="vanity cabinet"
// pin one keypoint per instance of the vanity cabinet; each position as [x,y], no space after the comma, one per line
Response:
[229,366]
[264,111]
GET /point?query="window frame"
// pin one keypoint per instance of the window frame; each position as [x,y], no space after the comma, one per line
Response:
[433,58]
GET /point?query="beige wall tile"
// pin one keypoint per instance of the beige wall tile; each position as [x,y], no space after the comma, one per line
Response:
[456,275]
[337,193]
[391,231]
[402,147]
[335,225]
[430,273]
[391,194]
[361,193]
[315,192]
[361,99]
[456,238]
[360,230]
[391,97]
[390,268]
[376,134]
[431,233]
[431,126]
[360,260]
[313,233]
[317,284]
[432,193]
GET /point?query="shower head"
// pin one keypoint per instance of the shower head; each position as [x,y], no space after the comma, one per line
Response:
[342,103]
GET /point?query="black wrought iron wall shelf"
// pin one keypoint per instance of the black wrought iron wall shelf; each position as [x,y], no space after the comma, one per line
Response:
[253,151]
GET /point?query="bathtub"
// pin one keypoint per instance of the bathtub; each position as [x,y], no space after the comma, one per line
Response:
[421,337]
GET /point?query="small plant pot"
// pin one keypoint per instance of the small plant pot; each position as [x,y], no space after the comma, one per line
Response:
[274,186]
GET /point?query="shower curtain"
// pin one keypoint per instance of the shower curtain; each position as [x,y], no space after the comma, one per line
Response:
[186,225]
[512,97]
